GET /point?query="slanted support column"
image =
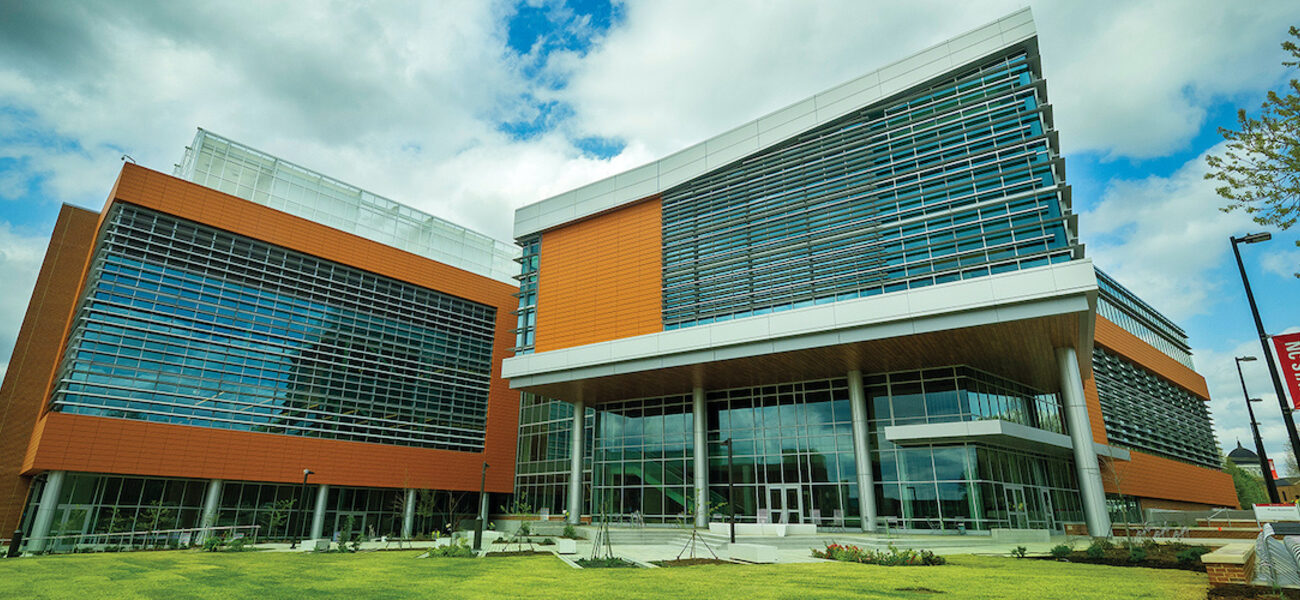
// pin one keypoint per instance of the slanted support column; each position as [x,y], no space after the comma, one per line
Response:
[862,452]
[575,463]
[318,514]
[211,502]
[1085,456]
[408,514]
[45,511]
[700,420]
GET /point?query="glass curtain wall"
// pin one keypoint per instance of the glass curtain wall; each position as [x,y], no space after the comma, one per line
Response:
[793,459]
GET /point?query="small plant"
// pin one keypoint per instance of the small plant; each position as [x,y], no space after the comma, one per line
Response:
[524,530]
[1099,547]
[1019,551]
[1137,554]
[570,532]
[547,542]
[1061,550]
[238,544]
[612,562]
[211,543]
[893,557]
[1190,555]
[458,549]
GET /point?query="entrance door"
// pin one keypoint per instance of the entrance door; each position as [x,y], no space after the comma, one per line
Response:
[785,503]
[1049,516]
[1017,509]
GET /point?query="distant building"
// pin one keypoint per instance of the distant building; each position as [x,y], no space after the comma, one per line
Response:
[1247,460]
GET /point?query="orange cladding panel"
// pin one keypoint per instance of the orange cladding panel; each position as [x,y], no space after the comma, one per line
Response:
[23,394]
[600,279]
[1116,339]
[95,444]
[1150,476]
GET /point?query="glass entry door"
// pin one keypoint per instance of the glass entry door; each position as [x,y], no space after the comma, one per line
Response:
[785,503]
[1017,509]
[341,523]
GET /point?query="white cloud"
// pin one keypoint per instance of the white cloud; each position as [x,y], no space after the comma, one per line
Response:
[1163,236]
[1228,405]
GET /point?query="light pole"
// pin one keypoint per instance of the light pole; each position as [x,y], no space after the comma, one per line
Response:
[302,511]
[1255,238]
[731,496]
[482,502]
[1264,469]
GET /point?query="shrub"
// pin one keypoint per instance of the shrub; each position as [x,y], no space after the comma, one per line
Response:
[212,543]
[1061,550]
[1099,547]
[237,545]
[458,549]
[1190,555]
[524,530]
[1137,554]
[570,532]
[547,542]
[892,557]
[1019,551]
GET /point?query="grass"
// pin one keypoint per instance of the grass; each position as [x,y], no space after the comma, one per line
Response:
[381,575]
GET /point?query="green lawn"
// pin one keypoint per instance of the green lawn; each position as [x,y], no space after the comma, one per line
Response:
[264,575]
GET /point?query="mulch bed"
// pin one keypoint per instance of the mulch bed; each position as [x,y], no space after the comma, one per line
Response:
[1080,557]
[1235,590]
[518,553]
[688,562]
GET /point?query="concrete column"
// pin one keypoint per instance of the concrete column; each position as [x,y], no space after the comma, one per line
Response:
[862,452]
[1085,456]
[211,502]
[575,463]
[45,511]
[408,514]
[318,515]
[700,419]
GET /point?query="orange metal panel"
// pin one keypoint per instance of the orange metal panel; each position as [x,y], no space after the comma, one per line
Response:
[23,394]
[83,443]
[600,279]
[1150,476]
[1113,337]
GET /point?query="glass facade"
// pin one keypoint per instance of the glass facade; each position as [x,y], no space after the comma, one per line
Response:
[954,181]
[1146,412]
[91,503]
[238,170]
[526,315]
[186,324]
[1124,308]
[792,454]
[545,445]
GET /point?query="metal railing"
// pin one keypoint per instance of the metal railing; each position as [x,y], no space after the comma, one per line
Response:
[136,540]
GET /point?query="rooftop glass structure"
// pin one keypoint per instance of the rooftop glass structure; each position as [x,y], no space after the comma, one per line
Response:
[236,169]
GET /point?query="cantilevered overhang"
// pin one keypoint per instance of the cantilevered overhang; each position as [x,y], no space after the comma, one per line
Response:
[993,432]
[1008,324]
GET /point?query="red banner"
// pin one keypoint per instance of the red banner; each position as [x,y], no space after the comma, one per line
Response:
[1288,358]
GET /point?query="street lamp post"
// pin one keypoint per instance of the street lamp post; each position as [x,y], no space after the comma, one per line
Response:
[482,502]
[1264,469]
[1263,339]
[302,511]
[731,496]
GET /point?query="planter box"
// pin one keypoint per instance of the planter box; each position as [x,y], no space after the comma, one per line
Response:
[755,553]
[566,546]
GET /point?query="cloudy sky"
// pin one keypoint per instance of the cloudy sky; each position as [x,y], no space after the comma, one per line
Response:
[470,109]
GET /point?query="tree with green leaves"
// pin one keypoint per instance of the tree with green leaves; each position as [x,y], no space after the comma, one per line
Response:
[1259,172]
[1250,489]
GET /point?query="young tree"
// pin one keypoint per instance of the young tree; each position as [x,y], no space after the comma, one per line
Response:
[274,515]
[1250,489]
[1260,170]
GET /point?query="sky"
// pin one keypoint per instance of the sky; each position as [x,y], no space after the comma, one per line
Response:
[471,109]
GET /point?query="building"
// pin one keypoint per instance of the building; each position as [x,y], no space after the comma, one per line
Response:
[196,346]
[876,297]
